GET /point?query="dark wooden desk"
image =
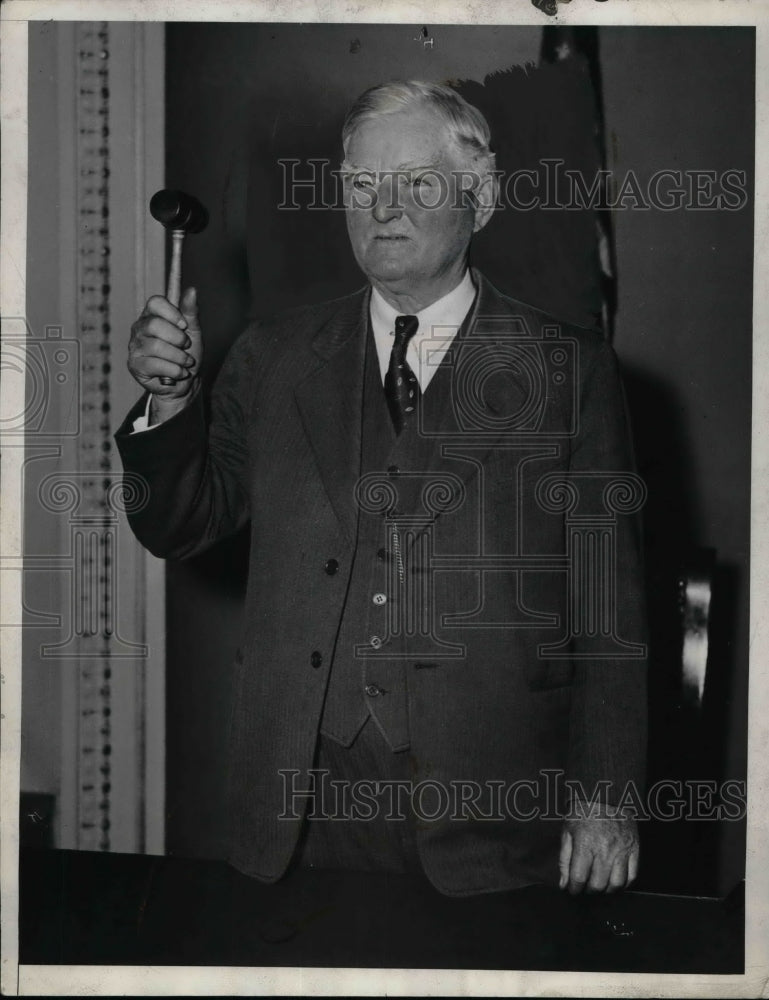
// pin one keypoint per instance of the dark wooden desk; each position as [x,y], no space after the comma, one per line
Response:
[83,908]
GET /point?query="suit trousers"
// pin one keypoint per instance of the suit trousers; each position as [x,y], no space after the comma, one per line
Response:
[361,837]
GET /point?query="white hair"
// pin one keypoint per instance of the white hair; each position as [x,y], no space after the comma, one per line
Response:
[465,124]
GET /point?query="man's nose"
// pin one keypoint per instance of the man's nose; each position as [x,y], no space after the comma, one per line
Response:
[387,205]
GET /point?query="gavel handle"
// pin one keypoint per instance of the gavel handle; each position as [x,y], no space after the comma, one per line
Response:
[174,282]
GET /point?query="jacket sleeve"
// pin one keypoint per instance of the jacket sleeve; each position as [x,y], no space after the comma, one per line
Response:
[189,475]
[608,723]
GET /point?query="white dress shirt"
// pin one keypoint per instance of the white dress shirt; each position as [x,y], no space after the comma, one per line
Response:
[438,325]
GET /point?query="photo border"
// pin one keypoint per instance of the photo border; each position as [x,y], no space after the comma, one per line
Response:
[210,981]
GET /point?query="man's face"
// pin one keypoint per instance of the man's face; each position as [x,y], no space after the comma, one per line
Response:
[409,225]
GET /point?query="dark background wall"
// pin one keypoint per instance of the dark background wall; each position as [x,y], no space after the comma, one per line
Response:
[239,96]
[683,99]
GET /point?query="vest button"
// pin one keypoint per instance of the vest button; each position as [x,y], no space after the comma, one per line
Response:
[381,554]
[331,566]
[379,598]
[393,470]
[373,691]
[316,659]
[375,641]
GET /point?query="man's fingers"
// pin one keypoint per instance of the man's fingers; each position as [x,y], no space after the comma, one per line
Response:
[160,368]
[604,854]
[165,344]
[188,307]
[600,873]
[154,347]
[619,874]
[579,868]
[632,865]
[163,329]
[564,858]
[158,305]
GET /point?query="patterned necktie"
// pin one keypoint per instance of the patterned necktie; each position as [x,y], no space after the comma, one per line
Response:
[400,384]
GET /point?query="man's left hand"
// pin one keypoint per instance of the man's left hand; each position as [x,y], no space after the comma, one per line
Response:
[599,853]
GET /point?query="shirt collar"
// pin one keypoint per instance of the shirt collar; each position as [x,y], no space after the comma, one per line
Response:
[448,311]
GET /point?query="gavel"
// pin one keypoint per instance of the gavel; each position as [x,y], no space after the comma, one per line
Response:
[180,213]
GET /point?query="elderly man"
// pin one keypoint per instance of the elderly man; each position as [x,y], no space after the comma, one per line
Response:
[442,665]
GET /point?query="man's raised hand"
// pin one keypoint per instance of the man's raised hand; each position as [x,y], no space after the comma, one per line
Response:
[166,342]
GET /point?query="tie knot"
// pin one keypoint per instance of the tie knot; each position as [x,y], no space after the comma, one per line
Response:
[405,328]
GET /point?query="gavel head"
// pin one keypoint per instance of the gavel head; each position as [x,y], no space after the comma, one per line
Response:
[179,211]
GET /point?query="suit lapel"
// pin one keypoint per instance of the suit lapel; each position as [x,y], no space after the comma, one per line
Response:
[330,403]
[475,387]
[463,411]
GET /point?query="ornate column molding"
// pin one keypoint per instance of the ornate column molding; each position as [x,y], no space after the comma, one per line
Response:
[110,648]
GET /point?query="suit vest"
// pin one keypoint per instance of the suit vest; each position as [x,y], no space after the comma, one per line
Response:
[368,671]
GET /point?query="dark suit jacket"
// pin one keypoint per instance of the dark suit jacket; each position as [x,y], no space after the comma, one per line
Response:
[536,582]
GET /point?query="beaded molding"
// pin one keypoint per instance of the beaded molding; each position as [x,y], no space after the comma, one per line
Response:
[93,541]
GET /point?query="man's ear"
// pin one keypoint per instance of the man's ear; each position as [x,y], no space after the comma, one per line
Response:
[484,201]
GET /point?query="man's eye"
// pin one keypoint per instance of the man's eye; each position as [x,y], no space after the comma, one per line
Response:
[361,182]
[421,180]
